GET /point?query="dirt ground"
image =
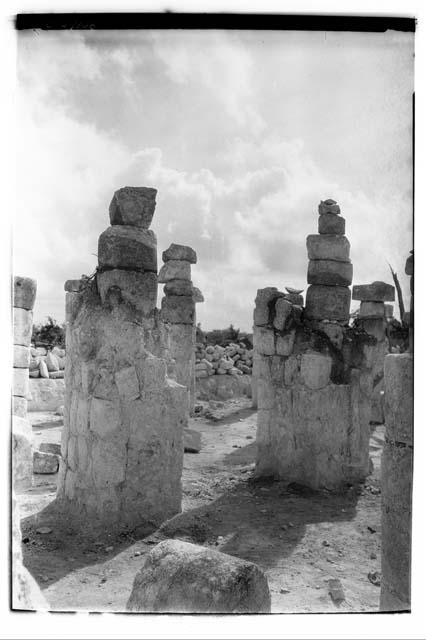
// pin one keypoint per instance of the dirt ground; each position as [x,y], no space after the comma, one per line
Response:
[300,538]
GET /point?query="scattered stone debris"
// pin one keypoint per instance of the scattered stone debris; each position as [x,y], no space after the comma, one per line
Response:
[335,590]
[375,578]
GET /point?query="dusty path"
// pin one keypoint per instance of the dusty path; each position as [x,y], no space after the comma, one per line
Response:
[300,538]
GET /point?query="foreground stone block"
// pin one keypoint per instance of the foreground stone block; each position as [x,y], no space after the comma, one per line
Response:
[24,292]
[22,326]
[372,310]
[330,272]
[191,441]
[179,288]
[138,289]
[324,247]
[127,248]
[331,223]
[180,252]
[328,303]
[179,577]
[21,357]
[133,206]
[265,302]
[376,292]
[175,270]
[45,463]
[178,309]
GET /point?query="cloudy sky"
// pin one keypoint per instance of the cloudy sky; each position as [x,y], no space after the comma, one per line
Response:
[242,133]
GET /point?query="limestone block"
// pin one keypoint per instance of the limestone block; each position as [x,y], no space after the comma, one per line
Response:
[375,327]
[327,247]
[128,248]
[73,302]
[21,357]
[44,462]
[372,310]
[328,206]
[264,341]
[133,206]
[191,441]
[138,289]
[109,460]
[72,286]
[44,371]
[265,300]
[52,362]
[376,292]
[409,265]
[22,454]
[283,310]
[197,295]
[179,577]
[331,223]
[178,309]
[315,370]
[399,409]
[46,394]
[328,303]
[179,288]
[285,343]
[296,299]
[50,447]
[180,252]
[334,332]
[104,417]
[19,406]
[20,382]
[22,326]
[127,383]
[175,270]
[24,292]
[152,374]
[56,374]
[388,310]
[330,272]
[291,370]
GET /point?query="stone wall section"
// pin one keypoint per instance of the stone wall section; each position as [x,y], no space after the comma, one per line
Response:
[312,372]
[122,441]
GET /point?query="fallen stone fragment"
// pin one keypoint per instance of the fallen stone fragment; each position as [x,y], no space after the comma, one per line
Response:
[44,372]
[52,362]
[375,292]
[133,206]
[327,247]
[335,590]
[45,462]
[331,223]
[179,577]
[122,247]
[24,292]
[50,447]
[180,252]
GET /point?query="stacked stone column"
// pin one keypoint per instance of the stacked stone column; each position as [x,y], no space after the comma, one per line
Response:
[122,441]
[178,312]
[313,371]
[24,293]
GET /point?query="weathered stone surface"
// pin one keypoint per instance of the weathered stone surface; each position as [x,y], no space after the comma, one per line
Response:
[399,408]
[22,326]
[315,369]
[327,247]
[121,247]
[265,302]
[73,302]
[20,382]
[264,341]
[19,406]
[295,299]
[72,286]
[180,252]
[21,357]
[45,394]
[285,343]
[133,206]
[330,272]
[24,292]
[181,349]
[197,295]
[42,367]
[52,362]
[328,303]
[175,270]
[179,577]
[50,447]
[45,462]
[283,310]
[409,265]
[334,332]
[328,206]
[54,375]
[179,288]
[375,292]
[178,309]
[388,310]
[224,387]
[375,327]
[372,310]
[191,441]
[138,289]
[331,223]
[22,454]
[127,383]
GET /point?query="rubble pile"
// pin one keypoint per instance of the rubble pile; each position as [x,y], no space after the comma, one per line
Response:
[234,359]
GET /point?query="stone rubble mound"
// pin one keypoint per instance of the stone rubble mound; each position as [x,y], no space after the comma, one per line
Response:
[234,359]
